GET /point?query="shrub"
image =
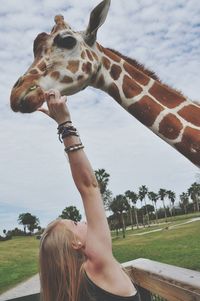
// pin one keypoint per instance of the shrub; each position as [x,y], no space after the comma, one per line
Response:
[7,237]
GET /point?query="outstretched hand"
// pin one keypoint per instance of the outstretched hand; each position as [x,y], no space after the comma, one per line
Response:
[57,108]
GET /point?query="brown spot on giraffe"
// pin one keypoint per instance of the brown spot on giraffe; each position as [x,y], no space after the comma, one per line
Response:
[89,55]
[100,82]
[115,71]
[106,62]
[146,110]
[190,145]
[114,92]
[66,80]
[99,47]
[33,71]
[112,55]
[170,127]
[73,66]
[87,67]
[42,66]
[191,113]
[136,74]
[136,64]
[83,55]
[166,96]
[130,88]
[55,75]
[95,56]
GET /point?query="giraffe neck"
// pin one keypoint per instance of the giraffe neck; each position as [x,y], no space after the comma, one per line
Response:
[163,110]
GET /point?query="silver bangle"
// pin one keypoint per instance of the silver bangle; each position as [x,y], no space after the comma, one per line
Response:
[74,147]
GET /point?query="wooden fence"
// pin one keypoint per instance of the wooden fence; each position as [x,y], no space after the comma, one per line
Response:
[156,282]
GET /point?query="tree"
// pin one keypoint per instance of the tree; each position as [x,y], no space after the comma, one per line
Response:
[184,201]
[143,191]
[120,205]
[103,179]
[162,194]
[133,197]
[194,193]
[172,197]
[154,197]
[28,221]
[4,231]
[72,213]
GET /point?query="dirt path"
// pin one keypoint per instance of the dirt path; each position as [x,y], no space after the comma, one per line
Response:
[168,227]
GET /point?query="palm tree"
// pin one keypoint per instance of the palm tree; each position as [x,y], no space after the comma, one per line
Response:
[142,196]
[162,194]
[119,205]
[103,179]
[154,197]
[133,197]
[172,197]
[184,200]
[194,193]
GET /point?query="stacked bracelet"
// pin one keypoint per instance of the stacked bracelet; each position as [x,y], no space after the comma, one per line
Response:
[74,147]
[65,130]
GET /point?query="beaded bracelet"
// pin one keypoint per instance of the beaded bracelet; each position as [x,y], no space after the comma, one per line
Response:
[74,147]
[66,131]
[69,133]
[66,122]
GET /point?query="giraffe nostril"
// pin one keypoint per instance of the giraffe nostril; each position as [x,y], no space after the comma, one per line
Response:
[24,106]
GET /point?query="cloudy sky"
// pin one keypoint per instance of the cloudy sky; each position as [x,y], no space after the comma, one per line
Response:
[34,174]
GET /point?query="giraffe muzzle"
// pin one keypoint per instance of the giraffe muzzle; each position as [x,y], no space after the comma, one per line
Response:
[28,103]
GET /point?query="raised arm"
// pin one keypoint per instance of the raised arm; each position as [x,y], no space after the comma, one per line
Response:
[98,242]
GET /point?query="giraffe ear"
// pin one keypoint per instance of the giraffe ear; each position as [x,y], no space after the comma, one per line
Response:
[97,18]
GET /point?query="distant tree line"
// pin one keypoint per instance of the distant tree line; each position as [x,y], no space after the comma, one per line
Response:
[31,222]
[124,208]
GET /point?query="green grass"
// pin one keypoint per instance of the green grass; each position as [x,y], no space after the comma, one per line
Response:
[179,246]
[18,261]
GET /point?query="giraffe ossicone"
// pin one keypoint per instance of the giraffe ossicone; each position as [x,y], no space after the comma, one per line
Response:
[70,61]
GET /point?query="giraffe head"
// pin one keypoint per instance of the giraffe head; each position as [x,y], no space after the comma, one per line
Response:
[64,59]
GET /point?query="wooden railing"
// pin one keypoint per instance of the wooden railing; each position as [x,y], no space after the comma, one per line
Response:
[155,281]
[165,281]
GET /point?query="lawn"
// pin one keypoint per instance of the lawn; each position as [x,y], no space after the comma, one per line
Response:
[18,260]
[179,246]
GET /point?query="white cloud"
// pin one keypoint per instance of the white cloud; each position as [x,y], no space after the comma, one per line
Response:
[34,175]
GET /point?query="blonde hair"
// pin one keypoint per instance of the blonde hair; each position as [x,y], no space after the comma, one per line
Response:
[61,266]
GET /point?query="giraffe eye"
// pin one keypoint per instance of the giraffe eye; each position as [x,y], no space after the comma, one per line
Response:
[67,42]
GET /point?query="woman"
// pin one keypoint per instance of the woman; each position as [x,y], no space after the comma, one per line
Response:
[76,260]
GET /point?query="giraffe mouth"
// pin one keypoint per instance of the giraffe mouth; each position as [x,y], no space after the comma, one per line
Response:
[30,102]
[27,106]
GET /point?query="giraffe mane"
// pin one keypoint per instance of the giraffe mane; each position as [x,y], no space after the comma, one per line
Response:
[148,72]
[135,64]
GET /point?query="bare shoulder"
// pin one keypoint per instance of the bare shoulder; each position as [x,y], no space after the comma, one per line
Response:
[109,276]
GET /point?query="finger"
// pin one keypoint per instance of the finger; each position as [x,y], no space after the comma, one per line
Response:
[54,94]
[64,98]
[43,110]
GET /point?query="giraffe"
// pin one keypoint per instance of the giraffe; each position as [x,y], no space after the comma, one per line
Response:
[70,61]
